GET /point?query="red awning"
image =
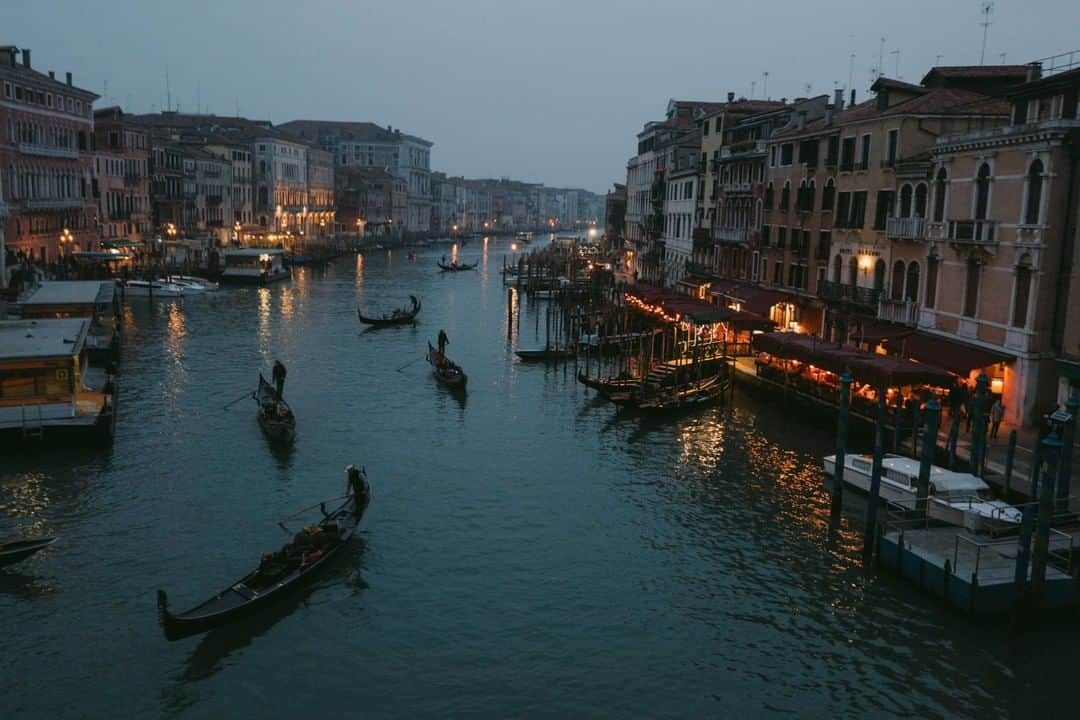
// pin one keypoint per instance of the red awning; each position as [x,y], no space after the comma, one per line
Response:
[956,357]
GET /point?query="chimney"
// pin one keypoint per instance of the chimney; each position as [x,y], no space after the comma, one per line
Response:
[26,57]
[828,114]
[52,75]
[731,97]
[853,96]
[1034,72]
[838,99]
[69,78]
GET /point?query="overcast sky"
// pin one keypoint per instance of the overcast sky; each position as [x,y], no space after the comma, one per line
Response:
[544,90]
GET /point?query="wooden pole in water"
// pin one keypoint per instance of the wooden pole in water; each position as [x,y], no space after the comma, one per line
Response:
[509,312]
[1067,439]
[870,532]
[954,436]
[1051,446]
[1010,456]
[933,414]
[916,423]
[978,436]
[841,448]
[1023,561]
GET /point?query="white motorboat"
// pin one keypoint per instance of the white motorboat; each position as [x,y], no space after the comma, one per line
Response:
[191,284]
[157,288]
[956,498]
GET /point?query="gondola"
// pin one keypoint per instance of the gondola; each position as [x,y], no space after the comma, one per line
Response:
[606,387]
[454,267]
[287,568]
[446,372]
[12,551]
[275,416]
[695,395]
[400,316]
[551,352]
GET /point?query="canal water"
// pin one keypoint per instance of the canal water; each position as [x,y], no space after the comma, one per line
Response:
[529,552]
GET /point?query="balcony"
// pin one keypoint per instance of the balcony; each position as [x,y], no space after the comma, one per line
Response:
[693,268]
[732,188]
[909,228]
[52,151]
[55,204]
[867,297]
[213,200]
[736,235]
[972,232]
[903,312]
[702,241]
[740,149]
[132,180]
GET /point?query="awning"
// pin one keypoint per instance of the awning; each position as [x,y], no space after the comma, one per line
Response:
[755,299]
[956,357]
[878,331]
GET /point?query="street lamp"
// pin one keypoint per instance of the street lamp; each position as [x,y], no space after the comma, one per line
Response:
[237,229]
[65,238]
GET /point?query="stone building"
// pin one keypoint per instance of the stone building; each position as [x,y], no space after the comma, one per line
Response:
[122,174]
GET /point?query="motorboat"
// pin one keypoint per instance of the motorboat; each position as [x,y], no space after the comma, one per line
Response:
[153,288]
[956,498]
[192,284]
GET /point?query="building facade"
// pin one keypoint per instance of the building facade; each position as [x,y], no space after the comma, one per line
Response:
[122,175]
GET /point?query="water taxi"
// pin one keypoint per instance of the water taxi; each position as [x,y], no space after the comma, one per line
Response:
[254,266]
[152,288]
[47,385]
[95,300]
[956,498]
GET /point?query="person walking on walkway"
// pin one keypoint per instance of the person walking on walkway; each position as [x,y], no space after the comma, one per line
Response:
[279,377]
[997,414]
[443,341]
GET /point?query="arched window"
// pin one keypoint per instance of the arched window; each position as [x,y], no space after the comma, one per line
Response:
[982,193]
[785,195]
[853,271]
[811,191]
[758,222]
[837,268]
[828,195]
[911,289]
[920,200]
[769,196]
[264,197]
[1034,193]
[897,290]
[879,274]
[940,185]
[971,288]
[905,201]
[1022,291]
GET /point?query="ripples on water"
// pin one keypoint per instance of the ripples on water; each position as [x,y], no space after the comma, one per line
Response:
[529,552]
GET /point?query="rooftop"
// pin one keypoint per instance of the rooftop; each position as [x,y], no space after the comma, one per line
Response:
[74,292]
[20,339]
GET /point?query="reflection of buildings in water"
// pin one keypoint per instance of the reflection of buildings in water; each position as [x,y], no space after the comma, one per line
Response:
[288,299]
[26,497]
[359,274]
[264,321]
[177,336]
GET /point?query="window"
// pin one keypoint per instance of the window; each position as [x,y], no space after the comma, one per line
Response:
[772,156]
[843,209]
[18,93]
[785,196]
[911,290]
[823,245]
[769,196]
[1023,291]
[765,235]
[864,163]
[858,209]
[1034,193]
[971,288]
[982,193]
[906,194]
[847,155]
[853,271]
[705,129]
[787,151]
[808,153]
[884,209]
[778,273]
[920,200]
[828,196]
[781,237]
[833,149]
[837,268]
[896,292]
[940,185]
[890,147]
[7,90]
[879,274]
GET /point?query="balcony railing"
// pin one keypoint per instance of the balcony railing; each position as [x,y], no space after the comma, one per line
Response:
[975,232]
[737,187]
[730,234]
[132,180]
[746,147]
[904,312]
[909,228]
[48,150]
[865,296]
[55,204]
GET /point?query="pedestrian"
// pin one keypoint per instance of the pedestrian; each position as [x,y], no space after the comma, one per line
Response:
[997,414]
[279,377]
[443,342]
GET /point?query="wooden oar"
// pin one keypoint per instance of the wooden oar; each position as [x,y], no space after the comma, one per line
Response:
[242,397]
[301,511]
[408,364]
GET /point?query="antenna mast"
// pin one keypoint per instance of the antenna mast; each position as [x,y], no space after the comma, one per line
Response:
[896,57]
[168,92]
[987,12]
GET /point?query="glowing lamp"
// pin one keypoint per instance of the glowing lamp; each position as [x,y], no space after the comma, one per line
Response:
[997,385]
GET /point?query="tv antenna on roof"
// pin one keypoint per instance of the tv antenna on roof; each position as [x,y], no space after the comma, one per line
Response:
[851,71]
[765,84]
[896,57]
[753,88]
[987,12]
[881,58]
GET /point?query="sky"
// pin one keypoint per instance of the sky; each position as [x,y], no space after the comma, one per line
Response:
[550,91]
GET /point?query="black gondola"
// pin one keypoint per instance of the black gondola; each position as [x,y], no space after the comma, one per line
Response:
[310,550]
[455,267]
[606,387]
[275,416]
[12,551]
[446,372]
[544,354]
[400,316]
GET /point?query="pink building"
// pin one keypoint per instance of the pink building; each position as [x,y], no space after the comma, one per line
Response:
[121,166]
[46,135]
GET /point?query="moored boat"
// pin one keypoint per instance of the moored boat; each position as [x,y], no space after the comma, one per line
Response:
[692,395]
[956,498]
[446,372]
[311,549]
[456,267]
[275,416]
[552,351]
[192,284]
[154,288]
[12,551]
[254,266]
[606,387]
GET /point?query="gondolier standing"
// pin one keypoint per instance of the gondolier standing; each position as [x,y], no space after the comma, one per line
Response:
[279,377]
[357,486]
[443,340]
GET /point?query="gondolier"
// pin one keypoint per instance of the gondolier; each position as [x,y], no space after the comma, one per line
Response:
[443,342]
[279,377]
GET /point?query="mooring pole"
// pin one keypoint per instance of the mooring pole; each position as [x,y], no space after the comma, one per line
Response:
[954,437]
[1010,457]
[929,447]
[1068,435]
[841,448]
[1051,446]
[916,423]
[1023,562]
[978,435]
[870,531]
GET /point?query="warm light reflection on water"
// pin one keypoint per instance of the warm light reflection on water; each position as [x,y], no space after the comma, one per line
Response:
[263,314]
[176,337]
